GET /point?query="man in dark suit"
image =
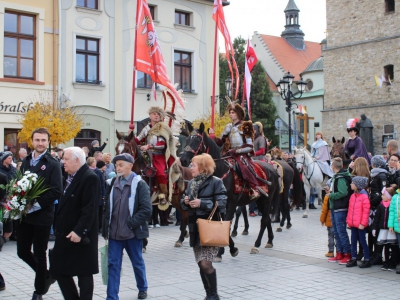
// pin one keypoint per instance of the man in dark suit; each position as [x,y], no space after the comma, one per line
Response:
[34,229]
[75,250]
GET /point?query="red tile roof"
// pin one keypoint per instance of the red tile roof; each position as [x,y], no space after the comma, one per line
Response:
[291,59]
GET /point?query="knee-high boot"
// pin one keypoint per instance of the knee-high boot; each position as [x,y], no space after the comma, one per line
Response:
[212,280]
[206,284]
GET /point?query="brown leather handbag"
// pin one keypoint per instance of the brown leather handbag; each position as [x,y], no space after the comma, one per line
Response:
[213,233]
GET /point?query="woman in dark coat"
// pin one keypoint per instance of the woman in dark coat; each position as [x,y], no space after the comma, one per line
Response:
[75,250]
[355,147]
[95,146]
[202,192]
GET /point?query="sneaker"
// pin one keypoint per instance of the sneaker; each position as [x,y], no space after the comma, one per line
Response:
[391,267]
[360,255]
[157,226]
[365,264]
[329,254]
[142,295]
[337,258]
[384,267]
[352,263]
[151,226]
[345,259]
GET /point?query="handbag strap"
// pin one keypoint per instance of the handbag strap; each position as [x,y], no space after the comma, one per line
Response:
[213,211]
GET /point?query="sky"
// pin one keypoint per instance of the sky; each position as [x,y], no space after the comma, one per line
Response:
[243,17]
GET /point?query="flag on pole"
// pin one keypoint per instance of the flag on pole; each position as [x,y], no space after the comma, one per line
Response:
[154,91]
[302,110]
[219,18]
[251,60]
[149,58]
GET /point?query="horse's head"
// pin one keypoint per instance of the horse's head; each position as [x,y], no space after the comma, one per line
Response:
[126,144]
[194,144]
[276,153]
[338,148]
[300,158]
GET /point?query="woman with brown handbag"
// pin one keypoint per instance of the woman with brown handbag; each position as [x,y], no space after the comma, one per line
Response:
[203,192]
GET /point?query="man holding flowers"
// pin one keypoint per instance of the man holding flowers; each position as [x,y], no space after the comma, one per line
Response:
[34,229]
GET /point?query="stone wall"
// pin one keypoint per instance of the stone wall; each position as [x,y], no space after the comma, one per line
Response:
[350,70]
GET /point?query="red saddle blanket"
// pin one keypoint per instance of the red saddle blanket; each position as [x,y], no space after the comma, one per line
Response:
[239,186]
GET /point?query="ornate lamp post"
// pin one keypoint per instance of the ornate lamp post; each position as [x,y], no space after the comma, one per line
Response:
[228,87]
[285,89]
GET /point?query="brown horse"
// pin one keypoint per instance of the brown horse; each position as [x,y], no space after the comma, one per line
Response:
[338,151]
[180,174]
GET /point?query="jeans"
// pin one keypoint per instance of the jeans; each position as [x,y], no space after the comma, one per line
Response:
[359,235]
[312,199]
[339,228]
[331,239]
[252,207]
[38,236]
[133,247]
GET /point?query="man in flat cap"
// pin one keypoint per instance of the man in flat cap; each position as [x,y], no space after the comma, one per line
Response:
[127,209]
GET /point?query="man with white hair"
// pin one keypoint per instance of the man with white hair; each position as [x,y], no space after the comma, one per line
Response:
[22,154]
[127,209]
[75,250]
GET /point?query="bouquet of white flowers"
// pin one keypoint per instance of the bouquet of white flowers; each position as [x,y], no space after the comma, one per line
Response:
[22,192]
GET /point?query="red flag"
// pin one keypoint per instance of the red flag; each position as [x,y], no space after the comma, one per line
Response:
[149,58]
[219,18]
[251,60]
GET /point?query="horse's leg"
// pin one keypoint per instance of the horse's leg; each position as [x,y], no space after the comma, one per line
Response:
[265,222]
[145,242]
[307,187]
[246,220]
[236,224]
[184,232]
[230,210]
[288,223]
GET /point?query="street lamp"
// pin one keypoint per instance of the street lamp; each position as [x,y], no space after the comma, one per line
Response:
[228,87]
[285,90]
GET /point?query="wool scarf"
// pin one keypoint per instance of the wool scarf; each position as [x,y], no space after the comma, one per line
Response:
[197,181]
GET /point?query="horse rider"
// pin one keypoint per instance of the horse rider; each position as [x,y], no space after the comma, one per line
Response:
[238,143]
[157,138]
[260,142]
[355,146]
[320,151]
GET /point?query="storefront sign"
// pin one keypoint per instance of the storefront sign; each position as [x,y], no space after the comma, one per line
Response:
[20,108]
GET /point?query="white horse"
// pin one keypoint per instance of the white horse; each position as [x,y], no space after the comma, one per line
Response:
[312,174]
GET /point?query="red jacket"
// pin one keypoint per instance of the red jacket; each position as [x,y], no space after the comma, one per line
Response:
[359,208]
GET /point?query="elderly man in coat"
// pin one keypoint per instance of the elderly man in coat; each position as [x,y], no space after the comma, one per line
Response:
[75,250]
[126,211]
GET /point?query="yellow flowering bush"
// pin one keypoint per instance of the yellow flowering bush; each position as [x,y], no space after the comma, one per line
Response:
[219,123]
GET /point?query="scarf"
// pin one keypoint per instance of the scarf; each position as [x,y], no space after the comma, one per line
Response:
[196,183]
[319,143]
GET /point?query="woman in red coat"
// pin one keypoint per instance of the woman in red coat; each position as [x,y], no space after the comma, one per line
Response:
[357,220]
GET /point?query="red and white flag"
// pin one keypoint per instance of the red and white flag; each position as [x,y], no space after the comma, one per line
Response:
[149,58]
[251,61]
[219,18]
[154,91]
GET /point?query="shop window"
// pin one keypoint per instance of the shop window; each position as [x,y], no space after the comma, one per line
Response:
[87,60]
[19,45]
[389,6]
[11,142]
[93,4]
[182,18]
[183,70]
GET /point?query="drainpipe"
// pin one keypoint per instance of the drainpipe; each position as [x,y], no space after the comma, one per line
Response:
[59,47]
[54,58]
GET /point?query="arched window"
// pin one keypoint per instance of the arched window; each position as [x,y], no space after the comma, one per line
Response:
[291,19]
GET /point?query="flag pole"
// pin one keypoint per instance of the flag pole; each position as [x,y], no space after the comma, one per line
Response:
[214,75]
[132,125]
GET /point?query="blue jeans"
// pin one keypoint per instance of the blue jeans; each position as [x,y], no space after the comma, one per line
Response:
[134,249]
[359,235]
[331,239]
[312,199]
[339,228]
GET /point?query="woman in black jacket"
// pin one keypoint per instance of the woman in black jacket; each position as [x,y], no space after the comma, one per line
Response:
[202,192]
[95,146]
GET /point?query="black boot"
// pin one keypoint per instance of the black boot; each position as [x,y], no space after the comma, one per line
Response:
[206,284]
[212,281]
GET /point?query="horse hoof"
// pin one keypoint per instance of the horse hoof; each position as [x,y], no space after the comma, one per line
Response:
[254,250]
[233,234]
[268,245]
[245,232]
[235,252]
[143,250]
[288,226]
[217,259]
[305,216]
[187,234]
[279,229]
[178,244]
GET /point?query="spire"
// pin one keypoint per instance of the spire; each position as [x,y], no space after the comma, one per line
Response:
[292,33]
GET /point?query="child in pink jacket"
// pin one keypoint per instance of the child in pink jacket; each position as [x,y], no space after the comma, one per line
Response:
[357,220]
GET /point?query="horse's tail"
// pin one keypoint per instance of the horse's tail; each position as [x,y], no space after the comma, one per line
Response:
[297,187]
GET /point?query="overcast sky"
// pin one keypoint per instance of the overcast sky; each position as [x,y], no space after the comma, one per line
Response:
[267,17]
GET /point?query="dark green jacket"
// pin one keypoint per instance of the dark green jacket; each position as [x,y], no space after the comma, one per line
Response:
[341,192]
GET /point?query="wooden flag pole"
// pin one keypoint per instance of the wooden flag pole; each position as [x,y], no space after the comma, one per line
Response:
[214,75]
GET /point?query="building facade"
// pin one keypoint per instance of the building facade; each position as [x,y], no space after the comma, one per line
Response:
[28,62]
[363,42]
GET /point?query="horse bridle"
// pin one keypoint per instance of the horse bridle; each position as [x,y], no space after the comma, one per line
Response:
[201,145]
[306,166]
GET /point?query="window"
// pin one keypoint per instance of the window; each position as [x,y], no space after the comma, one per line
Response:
[87,60]
[389,6]
[388,73]
[152,11]
[309,85]
[183,70]
[182,18]
[19,45]
[144,80]
[93,4]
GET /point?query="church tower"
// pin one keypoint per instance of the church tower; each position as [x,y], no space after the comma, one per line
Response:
[292,33]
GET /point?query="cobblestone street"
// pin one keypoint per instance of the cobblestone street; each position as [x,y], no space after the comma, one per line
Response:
[294,269]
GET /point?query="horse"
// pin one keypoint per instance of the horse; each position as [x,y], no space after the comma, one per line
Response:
[312,174]
[338,151]
[128,145]
[199,142]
